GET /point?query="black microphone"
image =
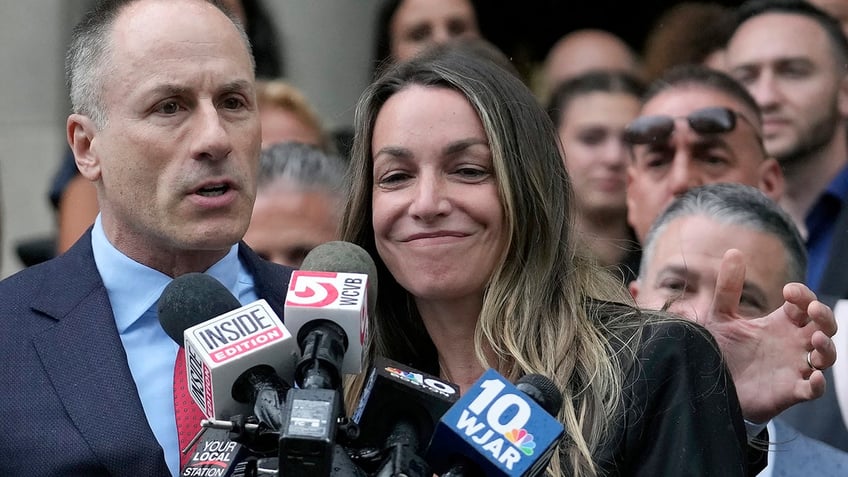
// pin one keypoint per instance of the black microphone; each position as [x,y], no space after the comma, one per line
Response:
[327,309]
[495,430]
[190,300]
[542,390]
[397,413]
[198,312]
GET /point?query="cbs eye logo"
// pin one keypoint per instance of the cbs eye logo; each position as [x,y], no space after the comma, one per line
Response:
[312,289]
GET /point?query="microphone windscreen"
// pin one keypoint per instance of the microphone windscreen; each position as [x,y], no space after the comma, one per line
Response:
[543,390]
[344,257]
[191,299]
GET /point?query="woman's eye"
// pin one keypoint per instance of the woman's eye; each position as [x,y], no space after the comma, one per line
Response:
[471,173]
[592,137]
[393,178]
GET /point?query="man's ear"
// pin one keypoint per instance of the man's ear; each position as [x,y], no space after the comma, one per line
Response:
[634,288]
[772,183]
[81,132]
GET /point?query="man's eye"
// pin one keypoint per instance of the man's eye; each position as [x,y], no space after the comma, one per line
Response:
[419,34]
[751,306]
[745,76]
[169,107]
[713,160]
[232,103]
[673,285]
[656,160]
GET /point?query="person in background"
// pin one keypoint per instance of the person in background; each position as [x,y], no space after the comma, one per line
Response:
[582,51]
[286,115]
[407,27]
[590,113]
[697,126]
[298,197]
[838,9]
[688,33]
[264,37]
[793,58]
[470,225]
[165,124]
[719,238]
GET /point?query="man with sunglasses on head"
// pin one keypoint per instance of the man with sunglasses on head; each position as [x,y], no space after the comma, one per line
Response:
[697,126]
[793,58]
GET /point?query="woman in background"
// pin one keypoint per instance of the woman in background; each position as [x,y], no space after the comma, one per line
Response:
[590,113]
[407,27]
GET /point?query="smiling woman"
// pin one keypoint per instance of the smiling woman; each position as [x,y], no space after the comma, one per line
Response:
[460,193]
[436,205]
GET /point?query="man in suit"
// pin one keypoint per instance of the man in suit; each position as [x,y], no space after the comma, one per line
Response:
[793,58]
[728,246]
[165,125]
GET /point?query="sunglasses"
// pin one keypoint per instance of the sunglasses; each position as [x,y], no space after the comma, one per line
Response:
[653,129]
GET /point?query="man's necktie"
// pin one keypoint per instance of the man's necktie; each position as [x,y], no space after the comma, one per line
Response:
[187,413]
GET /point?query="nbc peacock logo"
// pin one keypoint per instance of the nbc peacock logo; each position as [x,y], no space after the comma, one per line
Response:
[421,380]
[521,439]
[401,373]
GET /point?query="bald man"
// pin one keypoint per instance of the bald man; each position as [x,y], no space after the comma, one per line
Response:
[586,50]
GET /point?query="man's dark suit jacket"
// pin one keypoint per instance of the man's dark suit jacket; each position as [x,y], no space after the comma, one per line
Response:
[69,405]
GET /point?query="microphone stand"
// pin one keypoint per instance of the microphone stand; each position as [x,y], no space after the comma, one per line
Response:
[313,410]
[403,459]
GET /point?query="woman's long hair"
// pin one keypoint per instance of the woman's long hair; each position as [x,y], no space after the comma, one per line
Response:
[539,313]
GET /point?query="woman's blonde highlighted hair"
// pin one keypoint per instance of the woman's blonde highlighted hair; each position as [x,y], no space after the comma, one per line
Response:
[547,308]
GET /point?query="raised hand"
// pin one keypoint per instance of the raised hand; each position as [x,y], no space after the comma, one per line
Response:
[767,356]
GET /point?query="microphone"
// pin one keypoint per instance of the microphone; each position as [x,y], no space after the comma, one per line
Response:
[496,429]
[327,310]
[398,411]
[216,455]
[234,353]
[336,281]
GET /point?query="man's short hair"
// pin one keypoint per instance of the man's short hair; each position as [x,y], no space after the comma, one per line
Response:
[87,60]
[683,76]
[303,166]
[739,205]
[830,25]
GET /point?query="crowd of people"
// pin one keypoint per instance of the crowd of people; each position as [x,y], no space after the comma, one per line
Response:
[661,234]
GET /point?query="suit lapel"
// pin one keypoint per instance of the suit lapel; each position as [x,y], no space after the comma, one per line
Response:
[271,280]
[85,360]
[86,364]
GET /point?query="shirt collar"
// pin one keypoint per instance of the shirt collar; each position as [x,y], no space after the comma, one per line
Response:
[838,187]
[133,287]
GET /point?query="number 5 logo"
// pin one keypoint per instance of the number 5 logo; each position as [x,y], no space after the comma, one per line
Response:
[314,289]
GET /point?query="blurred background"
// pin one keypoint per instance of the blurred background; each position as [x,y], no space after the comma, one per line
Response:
[326,49]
